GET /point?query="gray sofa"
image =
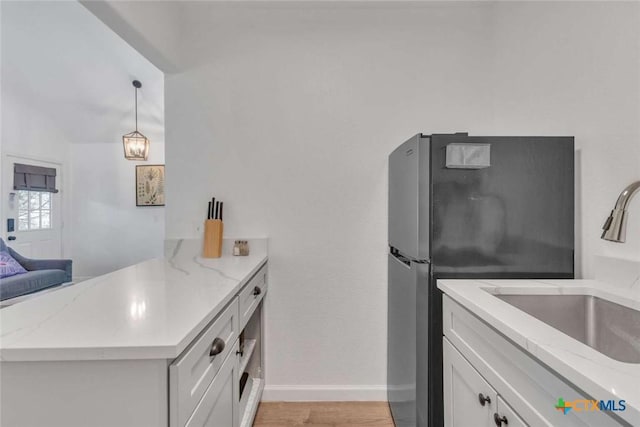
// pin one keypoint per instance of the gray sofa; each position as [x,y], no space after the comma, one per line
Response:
[41,274]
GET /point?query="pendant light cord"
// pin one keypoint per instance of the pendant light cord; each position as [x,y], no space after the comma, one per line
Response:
[136,109]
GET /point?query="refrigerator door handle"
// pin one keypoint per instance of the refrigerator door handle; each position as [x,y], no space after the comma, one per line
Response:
[404,259]
[399,257]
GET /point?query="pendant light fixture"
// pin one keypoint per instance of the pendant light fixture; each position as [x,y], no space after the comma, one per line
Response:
[136,145]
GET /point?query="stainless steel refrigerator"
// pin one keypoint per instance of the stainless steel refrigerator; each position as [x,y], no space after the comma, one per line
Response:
[462,206]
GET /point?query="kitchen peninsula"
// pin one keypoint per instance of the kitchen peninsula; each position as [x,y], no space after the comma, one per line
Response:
[174,341]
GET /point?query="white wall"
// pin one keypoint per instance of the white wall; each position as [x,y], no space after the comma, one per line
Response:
[291,121]
[574,69]
[288,114]
[151,27]
[67,96]
[109,231]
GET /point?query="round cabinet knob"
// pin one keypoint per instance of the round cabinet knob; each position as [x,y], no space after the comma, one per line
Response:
[483,399]
[257,291]
[500,420]
[217,347]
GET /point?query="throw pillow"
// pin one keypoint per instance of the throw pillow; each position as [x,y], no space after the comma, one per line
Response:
[9,266]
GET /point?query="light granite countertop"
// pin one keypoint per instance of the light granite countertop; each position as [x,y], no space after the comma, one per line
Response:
[151,310]
[596,374]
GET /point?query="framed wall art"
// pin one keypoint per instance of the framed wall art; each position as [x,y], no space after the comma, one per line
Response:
[150,185]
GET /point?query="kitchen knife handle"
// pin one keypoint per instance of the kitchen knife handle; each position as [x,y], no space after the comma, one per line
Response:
[213,207]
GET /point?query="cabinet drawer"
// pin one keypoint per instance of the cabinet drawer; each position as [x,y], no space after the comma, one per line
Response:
[191,374]
[251,295]
[218,407]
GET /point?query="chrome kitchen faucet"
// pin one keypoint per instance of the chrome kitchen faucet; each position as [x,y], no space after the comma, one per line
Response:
[615,228]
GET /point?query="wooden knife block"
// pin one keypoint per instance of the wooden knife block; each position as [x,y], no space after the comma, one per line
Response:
[213,229]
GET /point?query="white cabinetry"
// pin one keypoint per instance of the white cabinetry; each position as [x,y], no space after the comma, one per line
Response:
[192,372]
[478,359]
[251,296]
[469,400]
[219,406]
[206,384]
[505,416]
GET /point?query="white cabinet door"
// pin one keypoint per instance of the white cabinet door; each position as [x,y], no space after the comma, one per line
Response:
[507,417]
[219,405]
[468,399]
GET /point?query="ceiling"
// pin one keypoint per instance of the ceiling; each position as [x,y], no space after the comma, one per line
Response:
[64,67]
[163,31]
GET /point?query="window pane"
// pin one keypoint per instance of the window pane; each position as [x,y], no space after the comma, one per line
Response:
[23,223]
[23,200]
[45,217]
[34,200]
[46,200]
[34,220]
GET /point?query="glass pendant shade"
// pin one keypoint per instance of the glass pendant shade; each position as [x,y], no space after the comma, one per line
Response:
[136,145]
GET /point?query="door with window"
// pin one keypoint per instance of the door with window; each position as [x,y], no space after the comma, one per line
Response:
[32,220]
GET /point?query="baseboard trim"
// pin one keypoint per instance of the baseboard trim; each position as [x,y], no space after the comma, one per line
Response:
[324,393]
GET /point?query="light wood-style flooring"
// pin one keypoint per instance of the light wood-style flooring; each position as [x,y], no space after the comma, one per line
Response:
[323,414]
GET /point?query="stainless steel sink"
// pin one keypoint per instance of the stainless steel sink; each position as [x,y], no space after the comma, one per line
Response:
[610,328]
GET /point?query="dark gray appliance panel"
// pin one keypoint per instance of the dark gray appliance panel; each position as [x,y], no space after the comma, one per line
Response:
[401,344]
[514,218]
[409,198]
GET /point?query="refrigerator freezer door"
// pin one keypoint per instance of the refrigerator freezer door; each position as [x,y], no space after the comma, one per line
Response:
[409,198]
[514,218]
[401,351]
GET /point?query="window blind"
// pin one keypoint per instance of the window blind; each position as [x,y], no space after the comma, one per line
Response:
[34,178]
